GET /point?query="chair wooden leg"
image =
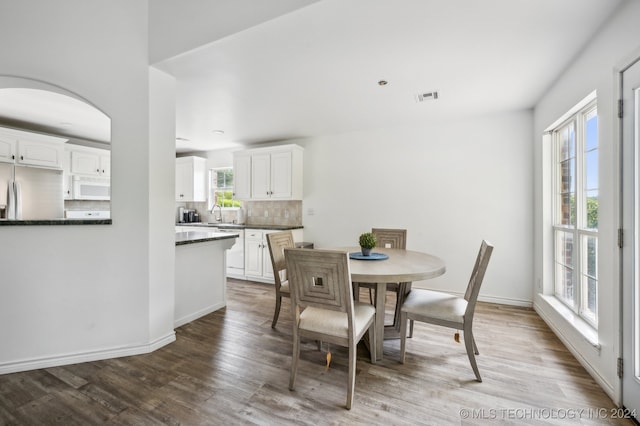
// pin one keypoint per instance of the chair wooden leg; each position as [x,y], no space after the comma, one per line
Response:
[294,361]
[403,335]
[372,340]
[469,345]
[401,294]
[352,374]
[276,313]
[475,347]
[411,328]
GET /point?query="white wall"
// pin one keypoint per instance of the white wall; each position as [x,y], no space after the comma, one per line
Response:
[450,184]
[594,69]
[72,293]
[162,113]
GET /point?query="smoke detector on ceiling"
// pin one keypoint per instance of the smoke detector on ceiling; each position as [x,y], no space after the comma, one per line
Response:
[428,96]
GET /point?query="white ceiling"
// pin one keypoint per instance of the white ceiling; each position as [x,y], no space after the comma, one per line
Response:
[315,70]
[46,111]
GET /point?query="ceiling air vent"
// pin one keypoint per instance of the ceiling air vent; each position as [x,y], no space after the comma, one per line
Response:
[429,96]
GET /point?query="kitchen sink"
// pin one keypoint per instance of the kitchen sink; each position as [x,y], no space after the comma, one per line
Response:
[226,225]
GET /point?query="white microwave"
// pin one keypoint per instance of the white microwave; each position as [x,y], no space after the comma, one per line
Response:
[91,188]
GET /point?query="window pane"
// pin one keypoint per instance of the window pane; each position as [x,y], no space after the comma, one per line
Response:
[591,209]
[564,248]
[591,169]
[591,131]
[564,284]
[567,142]
[564,267]
[591,193]
[590,278]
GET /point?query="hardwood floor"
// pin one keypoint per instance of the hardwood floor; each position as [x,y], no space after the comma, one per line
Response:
[231,367]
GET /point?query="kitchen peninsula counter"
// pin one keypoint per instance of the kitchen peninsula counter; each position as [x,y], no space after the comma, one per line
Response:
[200,273]
[29,222]
[192,237]
[231,226]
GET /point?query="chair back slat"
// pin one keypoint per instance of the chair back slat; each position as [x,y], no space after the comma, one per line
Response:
[477,276]
[277,242]
[390,238]
[320,278]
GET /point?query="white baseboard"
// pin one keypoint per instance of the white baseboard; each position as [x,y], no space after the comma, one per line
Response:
[75,358]
[194,316]
[506,301]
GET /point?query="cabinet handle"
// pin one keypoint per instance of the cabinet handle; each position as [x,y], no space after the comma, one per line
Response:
[21,157]
[13,157]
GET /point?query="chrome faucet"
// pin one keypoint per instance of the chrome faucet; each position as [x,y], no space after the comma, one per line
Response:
[213,212]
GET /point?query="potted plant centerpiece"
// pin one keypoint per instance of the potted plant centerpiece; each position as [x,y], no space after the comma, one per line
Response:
[367,242]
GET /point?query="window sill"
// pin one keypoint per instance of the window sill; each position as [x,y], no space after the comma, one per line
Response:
[585,329]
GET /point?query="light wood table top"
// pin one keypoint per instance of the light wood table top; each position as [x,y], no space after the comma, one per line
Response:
[401,266]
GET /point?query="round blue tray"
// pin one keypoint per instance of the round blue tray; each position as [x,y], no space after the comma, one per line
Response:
[373,256]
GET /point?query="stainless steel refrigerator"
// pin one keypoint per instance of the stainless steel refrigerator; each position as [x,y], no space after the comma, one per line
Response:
[30,193]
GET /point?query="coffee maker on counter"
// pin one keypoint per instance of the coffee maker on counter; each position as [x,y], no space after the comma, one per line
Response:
[188,215]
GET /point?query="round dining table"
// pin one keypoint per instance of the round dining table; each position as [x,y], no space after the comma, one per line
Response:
[387,265]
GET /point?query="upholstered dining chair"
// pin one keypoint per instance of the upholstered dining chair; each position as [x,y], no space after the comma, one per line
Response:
[389,238]
[277,242]
[448,310]
[324,309]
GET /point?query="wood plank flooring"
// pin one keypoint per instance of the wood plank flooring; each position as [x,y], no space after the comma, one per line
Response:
[231,367]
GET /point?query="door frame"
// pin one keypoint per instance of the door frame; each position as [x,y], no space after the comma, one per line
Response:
[625,232]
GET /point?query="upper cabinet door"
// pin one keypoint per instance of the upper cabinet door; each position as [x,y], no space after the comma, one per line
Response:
[90,161]
[260,176]
[191,179]
[281,169]
[184,184]
[242,176]
[43,154]
[7,149]
[86,163]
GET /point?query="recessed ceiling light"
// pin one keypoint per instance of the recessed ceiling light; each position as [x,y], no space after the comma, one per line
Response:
[383,83]
[218,132]
[182,139]
[65,124]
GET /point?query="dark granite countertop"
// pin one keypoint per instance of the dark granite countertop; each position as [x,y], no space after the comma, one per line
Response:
[237,226]
[192,237]
[7,222]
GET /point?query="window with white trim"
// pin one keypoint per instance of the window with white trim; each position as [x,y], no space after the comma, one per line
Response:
[575,215]
[221,188]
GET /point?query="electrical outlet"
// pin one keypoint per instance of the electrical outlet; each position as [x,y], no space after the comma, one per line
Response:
[286,214]
[311,212]
[266,213]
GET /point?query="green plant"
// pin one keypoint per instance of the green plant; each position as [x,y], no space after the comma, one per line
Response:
[367,240]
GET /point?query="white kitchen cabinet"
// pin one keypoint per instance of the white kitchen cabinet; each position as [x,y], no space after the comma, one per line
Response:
[191,179]
[8,146]
[90,161]
[242,176]
[275,173]
[38,153]
[67,184]
[257,263]
[257,259]
[31,149]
